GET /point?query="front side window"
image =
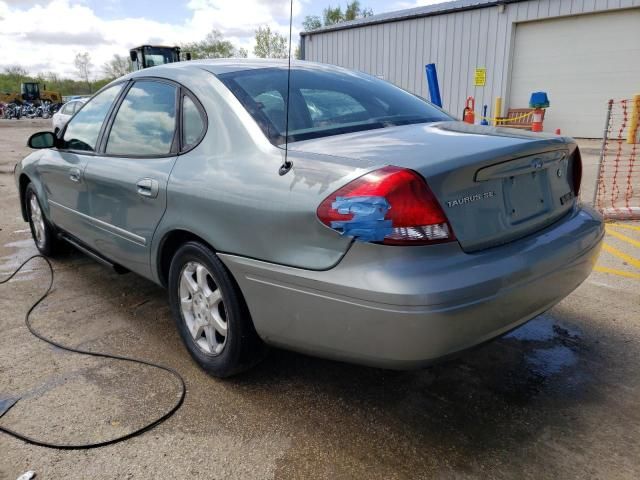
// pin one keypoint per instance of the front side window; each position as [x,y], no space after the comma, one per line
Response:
[83,129]
[146,121]
[330,107]
[192,123]
[324,102]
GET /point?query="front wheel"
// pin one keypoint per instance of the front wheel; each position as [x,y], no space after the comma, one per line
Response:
[210,313]
[41,230]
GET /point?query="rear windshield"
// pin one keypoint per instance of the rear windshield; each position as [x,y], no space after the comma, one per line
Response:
[325,102]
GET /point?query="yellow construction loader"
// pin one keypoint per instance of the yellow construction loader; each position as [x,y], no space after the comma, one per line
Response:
[30,92]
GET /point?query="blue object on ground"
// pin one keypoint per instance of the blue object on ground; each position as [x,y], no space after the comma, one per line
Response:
[432,81]
[484,120]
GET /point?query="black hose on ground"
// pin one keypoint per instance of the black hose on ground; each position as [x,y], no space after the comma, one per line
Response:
[84,446]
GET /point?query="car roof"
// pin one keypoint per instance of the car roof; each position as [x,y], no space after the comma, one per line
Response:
[228,65]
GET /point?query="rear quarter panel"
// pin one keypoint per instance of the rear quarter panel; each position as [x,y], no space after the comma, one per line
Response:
[228,191]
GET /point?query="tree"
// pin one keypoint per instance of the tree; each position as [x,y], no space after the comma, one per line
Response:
[213,46]
[49,77]
[12,77]
[270,44]
[84,66]
[332,15]
[16,71]
[311,22]
[116,67]
[352,11]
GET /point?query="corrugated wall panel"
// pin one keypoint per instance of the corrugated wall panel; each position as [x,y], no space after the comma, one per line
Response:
[422,42]
[456,42]
[447,65]
[483,35]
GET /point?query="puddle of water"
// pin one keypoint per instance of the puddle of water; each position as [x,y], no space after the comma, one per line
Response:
[542,329]
[24,243]
[22,250]
[549,361]
[548,347]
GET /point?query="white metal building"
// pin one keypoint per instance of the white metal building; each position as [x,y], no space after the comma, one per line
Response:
[581,52]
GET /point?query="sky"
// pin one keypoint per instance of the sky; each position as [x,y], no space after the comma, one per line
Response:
[45,35]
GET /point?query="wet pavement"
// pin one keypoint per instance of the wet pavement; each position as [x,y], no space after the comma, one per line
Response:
[557,398]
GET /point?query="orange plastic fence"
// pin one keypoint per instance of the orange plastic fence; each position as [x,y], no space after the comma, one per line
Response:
[618,190]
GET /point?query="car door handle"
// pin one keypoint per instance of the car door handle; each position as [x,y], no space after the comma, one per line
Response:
[147,187]
[74,174]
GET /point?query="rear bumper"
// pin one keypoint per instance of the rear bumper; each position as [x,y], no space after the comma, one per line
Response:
[400,307]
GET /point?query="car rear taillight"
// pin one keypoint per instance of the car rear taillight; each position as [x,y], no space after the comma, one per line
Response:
[391,205]
[576,172]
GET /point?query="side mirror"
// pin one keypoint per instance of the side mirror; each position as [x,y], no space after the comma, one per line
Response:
[133,55]
[42,140]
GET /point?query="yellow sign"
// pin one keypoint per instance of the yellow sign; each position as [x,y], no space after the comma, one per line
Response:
[480,77]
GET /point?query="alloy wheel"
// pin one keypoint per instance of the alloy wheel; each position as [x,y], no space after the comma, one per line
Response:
[37,221]
[202,308]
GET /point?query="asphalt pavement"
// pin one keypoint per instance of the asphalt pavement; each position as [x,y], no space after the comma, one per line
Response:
[557,398]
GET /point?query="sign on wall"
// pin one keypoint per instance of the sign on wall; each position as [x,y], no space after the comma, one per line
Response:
[480,77]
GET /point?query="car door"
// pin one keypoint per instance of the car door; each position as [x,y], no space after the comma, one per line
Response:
[127,181]
[61,169]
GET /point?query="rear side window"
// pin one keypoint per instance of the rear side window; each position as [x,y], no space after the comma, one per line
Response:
[272,105]
[192,123]
[83,129]
[69,108]
[146,121]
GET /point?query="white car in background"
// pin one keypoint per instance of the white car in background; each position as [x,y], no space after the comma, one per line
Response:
[62,116]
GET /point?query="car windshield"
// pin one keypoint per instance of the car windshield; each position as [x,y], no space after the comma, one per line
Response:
[155,56]
[324,102]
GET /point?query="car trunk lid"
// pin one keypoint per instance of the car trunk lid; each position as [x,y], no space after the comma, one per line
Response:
[494,184]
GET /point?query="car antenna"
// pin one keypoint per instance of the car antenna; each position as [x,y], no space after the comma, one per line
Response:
[286,166]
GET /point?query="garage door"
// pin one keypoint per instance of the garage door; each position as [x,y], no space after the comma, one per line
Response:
[581,62]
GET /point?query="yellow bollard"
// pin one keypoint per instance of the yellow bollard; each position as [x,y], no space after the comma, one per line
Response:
[632,136]
[497,110]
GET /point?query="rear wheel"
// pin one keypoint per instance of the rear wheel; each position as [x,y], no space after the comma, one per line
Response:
[210,313]
[41,230]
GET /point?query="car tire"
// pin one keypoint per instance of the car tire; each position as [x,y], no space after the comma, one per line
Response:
[43,233]
[210,313]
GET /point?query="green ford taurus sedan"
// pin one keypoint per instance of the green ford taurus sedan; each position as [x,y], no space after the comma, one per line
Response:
[355,221]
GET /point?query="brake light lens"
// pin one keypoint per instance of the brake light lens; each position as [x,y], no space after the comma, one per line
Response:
[391,205]
[576,172]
